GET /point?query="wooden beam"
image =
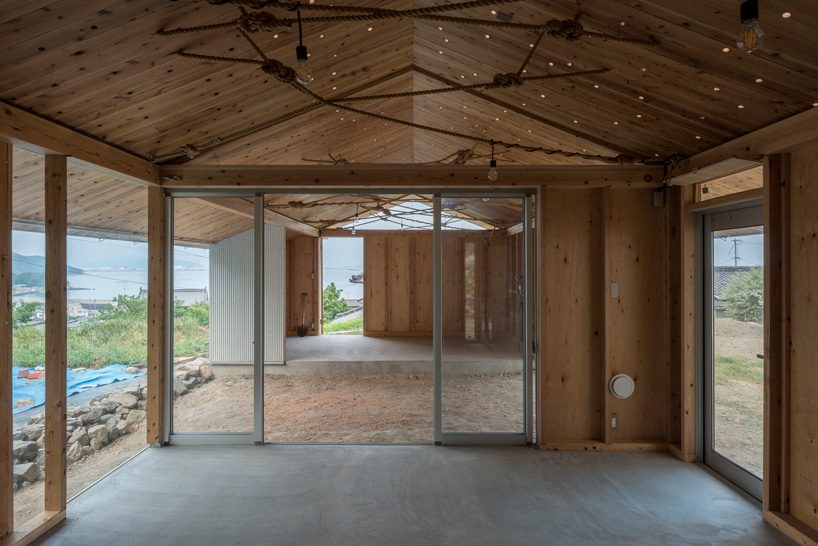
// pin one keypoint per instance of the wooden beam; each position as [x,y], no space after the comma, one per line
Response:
[56,329]
[6,312]
[34,529]
[405,176]
[245,208]
[775,138]
[777,341]
[40,135]
[739,198]
[551,124]
[157,316]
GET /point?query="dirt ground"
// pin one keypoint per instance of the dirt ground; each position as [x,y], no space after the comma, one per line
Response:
[390,408]
[29,501]
[739,407]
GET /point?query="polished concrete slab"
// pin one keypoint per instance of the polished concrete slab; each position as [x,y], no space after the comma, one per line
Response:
[409,495]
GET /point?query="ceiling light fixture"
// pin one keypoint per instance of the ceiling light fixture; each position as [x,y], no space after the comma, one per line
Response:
[302,72]
[751,36]
[492,165]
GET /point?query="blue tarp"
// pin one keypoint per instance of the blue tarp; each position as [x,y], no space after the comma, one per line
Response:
[77,381]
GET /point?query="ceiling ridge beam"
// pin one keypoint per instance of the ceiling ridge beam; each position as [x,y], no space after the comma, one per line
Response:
[305,110]
[534,117]
[41,135]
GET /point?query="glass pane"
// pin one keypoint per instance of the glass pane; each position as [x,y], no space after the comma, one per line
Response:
[213,276]
[482,291]
[28,341]
[738,346]
[107,313]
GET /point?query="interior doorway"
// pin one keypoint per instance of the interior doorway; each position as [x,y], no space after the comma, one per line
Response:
[734,346]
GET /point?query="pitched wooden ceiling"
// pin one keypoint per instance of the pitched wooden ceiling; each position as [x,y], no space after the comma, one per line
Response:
[100,67]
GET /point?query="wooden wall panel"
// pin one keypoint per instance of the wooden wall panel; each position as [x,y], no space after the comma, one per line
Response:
[452,284]
[422,273]
[801,449]
[157,314]
[303,277]
[400,289]
[572,318]
[635,321]
[376,285]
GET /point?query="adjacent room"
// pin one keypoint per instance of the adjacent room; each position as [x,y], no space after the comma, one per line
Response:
[408,272]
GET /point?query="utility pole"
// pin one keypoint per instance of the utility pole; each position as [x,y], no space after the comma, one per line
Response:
[736,243]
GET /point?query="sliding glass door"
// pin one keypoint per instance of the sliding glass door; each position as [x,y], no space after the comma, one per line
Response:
[734,346]
[482,319]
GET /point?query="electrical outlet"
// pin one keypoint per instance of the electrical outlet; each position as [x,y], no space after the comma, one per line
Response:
[614,419]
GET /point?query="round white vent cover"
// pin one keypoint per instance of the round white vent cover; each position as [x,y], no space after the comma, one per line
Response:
[622,386]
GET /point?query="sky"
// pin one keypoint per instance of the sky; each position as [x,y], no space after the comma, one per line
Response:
[749,248]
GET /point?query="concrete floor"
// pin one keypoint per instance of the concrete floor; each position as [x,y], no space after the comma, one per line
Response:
[409,495]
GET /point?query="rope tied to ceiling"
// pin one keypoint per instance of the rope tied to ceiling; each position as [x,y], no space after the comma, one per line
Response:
[256,21]
[278,70]
[190,151]
[509,79]
[569,29]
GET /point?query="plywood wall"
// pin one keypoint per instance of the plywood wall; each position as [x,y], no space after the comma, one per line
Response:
[591,239]
[398,284]
[303,277]
[802,446]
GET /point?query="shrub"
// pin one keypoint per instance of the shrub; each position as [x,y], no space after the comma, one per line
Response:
[333,303]
[744,296]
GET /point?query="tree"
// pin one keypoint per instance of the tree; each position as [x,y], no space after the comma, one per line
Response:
[333,302]
[23,313]
[744,296]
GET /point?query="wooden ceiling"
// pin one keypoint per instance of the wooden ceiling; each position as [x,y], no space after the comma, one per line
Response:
[100,67]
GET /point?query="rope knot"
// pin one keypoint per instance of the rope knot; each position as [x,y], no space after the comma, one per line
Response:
[258,20]
[296,204]
[570,29]
[624,159]
[278,70]
[508,79]
[190,151]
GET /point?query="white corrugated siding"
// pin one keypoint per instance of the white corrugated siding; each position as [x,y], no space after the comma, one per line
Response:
[231,298]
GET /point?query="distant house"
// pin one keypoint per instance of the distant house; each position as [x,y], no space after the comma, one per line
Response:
[355,303]
[722,275]
[188,296]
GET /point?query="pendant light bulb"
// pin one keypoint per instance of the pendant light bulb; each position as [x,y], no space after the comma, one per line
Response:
[751,35]
[492,165]
[302,71]
[493,170]
[303,74]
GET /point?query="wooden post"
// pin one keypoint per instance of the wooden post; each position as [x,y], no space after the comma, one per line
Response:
[157,293]
[776,332]
[6,459]
[56,352]
[607,312]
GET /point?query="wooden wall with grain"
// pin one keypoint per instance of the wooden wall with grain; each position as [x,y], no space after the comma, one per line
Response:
[801,448]
[303,277]
[398,284]
[591,239]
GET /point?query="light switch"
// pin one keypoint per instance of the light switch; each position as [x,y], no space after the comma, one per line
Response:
[615,290]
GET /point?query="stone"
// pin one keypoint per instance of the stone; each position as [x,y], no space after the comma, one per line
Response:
[109,420]
[73,411]
[179,388]
[19,436]
[27,472]
[113,432]
[91,417]
[133,391]
[192,382]
[123,399]
[40,460]
[131,369]
[106,406]
[140,404]
[193,369]
[181,373]
[206,373]
[24,451]
[75,452]
[135,418]
[80,436]
[35,419]
[98,433]
[33,432]
[96,445]
[86,450]
[122,427]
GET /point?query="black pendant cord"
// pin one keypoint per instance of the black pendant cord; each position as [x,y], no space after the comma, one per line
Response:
[300,33]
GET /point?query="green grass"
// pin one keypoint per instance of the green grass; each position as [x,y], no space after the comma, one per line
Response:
[117,337]
[352,327]
[730,368]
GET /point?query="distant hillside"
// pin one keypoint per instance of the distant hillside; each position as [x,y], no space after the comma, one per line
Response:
[30,270]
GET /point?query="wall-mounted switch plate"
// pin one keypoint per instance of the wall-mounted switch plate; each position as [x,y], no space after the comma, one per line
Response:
[614,421]
[615,290]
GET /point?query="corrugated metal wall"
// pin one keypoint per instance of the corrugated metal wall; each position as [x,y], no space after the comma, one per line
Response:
[231,298]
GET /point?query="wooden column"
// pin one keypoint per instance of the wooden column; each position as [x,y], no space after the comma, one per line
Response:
[157,318]
[56,353]
[776,332]
[6,459]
